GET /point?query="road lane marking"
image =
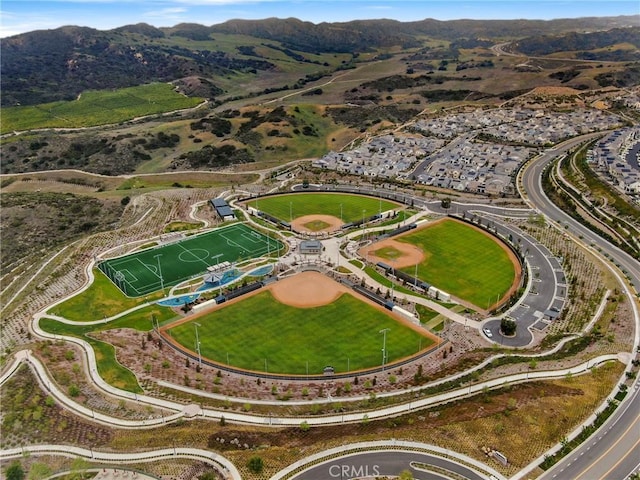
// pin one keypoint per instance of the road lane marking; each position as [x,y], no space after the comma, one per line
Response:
[620,438]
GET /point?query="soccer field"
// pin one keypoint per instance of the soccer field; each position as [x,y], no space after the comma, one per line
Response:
[144,272]
[261,334]
[349,208]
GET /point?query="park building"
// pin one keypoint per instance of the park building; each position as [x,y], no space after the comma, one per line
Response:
[222,208]
[310,247]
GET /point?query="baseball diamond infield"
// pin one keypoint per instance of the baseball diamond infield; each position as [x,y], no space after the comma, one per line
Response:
[298,326]
[316,223]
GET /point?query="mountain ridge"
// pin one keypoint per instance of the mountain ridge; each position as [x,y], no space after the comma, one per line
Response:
[49,65]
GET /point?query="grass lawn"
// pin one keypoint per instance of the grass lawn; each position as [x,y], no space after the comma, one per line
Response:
[260,329]
[108,367]
[292,206]
[103,298]
[426,314]
[98,108]
[462,261]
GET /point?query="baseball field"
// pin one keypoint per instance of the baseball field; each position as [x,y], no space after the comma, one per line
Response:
[347,208]
[457,258]
[264,334]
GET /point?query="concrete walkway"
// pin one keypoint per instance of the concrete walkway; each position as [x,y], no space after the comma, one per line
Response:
[181,410]
[223,465]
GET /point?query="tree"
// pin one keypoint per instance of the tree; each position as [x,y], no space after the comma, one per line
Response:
[508,327]
[445,203]
[405,475]
[255,464]
[305,427]
[15,471]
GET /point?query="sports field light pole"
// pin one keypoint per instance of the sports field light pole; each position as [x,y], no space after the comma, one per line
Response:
[291,211]
[384,345]
[160,272]
[363,224]
[195,324]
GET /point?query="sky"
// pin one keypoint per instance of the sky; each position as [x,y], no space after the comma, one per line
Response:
[19,16]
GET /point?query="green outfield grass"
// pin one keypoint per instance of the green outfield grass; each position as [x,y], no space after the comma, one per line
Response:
[163,266]
[105,299]
[463,262]
[259,328]
[98,108]
[289,207]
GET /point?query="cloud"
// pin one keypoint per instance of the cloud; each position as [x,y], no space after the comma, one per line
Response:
[13,24]
[170,12]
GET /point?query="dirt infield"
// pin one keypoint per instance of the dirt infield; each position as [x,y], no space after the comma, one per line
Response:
[408,254]
[300,223]
[307,289]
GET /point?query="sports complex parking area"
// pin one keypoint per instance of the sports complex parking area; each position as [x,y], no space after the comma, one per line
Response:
[150,270]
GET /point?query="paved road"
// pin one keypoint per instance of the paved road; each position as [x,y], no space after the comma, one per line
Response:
[378,463]
[532,182]
[614,452]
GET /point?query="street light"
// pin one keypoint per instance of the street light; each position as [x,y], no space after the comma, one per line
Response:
[384,345]
[160,272]
[196,325]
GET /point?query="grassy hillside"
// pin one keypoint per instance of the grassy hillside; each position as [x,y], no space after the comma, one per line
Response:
[97,108]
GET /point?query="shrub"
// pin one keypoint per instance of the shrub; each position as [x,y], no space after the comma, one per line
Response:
[255,464]
[74,391]
[508,326]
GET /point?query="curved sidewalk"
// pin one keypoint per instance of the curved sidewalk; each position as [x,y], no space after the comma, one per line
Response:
[246,418]
[227,468]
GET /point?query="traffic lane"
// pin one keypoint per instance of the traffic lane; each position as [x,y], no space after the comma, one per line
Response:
[609,452]
[372,464]
[627,465]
